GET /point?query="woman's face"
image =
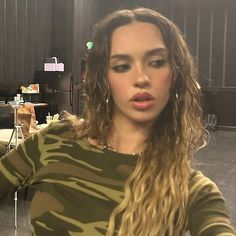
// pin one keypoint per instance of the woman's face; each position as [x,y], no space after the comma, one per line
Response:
[139,73]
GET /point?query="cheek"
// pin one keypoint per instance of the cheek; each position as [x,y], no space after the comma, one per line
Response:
[167,77]
[116,84]
[114,88]
[118,92]
[164,80]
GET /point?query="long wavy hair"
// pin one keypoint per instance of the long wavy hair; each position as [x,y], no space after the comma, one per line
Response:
[156,193]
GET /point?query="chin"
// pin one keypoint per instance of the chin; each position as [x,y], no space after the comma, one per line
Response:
[145,119]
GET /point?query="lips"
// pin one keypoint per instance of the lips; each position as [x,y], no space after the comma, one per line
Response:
[142,101]
[142,97]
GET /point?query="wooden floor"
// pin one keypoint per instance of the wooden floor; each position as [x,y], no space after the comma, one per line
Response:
[217,161]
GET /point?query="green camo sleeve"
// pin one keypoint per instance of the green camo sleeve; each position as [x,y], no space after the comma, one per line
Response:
[208,213]
[19,165]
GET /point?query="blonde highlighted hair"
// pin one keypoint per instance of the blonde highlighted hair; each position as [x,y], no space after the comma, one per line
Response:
[156,193]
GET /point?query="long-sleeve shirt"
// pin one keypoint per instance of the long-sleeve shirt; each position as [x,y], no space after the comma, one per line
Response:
[78,185]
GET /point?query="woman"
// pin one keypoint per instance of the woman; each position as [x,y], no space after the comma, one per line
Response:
[126,169]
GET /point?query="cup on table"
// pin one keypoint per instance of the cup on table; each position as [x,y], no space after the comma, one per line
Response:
[48,119]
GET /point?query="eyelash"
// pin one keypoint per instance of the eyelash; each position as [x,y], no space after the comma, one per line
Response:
[158,63]
[125,67]
[121,68]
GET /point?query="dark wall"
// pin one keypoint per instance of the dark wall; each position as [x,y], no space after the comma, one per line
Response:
[62,31]
[221,102]
[86,15]
[32,30]
[25,38]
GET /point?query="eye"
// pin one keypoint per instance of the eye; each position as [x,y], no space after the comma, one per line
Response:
[121,68]
[158,63]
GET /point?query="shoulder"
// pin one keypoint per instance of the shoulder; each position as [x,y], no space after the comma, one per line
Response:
[61,128]
[200,187]
[208,213]
[55,131]
[199,180]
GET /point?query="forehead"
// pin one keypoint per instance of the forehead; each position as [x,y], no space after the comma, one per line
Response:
[136,35]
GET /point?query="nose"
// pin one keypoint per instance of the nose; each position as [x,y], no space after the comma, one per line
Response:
[142,79]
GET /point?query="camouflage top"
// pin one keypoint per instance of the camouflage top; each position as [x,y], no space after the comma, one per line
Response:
[78,185]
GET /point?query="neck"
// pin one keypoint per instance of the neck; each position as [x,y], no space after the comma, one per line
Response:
[127,137]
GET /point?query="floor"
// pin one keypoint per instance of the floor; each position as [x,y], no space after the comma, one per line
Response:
[217,161]
[7,221]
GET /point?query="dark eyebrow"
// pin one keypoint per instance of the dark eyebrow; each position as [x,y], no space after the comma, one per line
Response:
[120,56]
[153,52]
[157,51]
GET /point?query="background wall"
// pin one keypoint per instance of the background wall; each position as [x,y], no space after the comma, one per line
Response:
[32,30]
[25,38]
